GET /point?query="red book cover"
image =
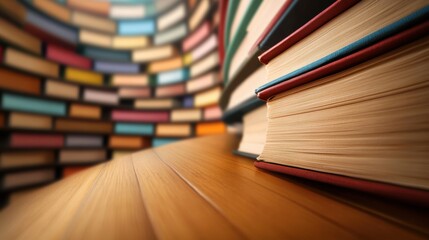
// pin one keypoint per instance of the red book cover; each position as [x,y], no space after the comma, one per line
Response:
[48,38]
[412,195]
[133,116]
[221,29]
[67,57]
[270,25]
[356,58]
[36,140]
[325,16]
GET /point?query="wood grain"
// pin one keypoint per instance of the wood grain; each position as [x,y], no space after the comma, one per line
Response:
[193,189]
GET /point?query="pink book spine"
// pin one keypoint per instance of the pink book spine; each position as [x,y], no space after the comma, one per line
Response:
[67,57]
[212,113]
[196,37]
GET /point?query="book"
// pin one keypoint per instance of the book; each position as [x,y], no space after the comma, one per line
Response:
[210,128]
[202,82]
[170,90]
[290,17]
[155,103]
[15,159]
[137,27]
[153,53]
[92,141]
[196,37]
[23,61]
[134,92]
[171,17]
[81,156]
[208,97]
[185,115]
[99,7]
[165,65]
[170,35]
[157,142]
[22,82]
[188,101]
[212,113]
[134,80]
[198,14]
[53,9]
[106,54]
[19,38]
[59,89]
[254,132]
[32,104]
[67,57]
[140,116]
[83,76]
[361,151]
[223,7]
[173,76]
[205,64]
[93,22]
[85,111]
[128,142]
[208,45]
[127,11]
[27,178]
[33,140]
[47,37]
[173,130]
[134,128]
[83,126]
[29,121]
[116,67]
[130,42]
[95,38]
[100,96]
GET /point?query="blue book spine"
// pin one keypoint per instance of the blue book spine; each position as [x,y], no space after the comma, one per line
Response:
[188,102]
[134,128]
[170,77]
[33,105]
[137,27]
[156,142]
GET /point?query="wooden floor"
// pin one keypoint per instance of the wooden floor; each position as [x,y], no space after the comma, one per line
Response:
[194,189]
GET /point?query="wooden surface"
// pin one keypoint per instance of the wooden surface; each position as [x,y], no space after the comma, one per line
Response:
[194,189]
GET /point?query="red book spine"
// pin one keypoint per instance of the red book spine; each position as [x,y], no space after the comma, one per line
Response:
[271,25]
[36,140]
[412,195]
[325,16]
[1,54]
[356,58]
[121,115]
[67,57]
[221,29]
[46,37]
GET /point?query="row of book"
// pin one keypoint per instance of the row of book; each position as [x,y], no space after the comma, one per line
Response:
[66,105]
[341,91]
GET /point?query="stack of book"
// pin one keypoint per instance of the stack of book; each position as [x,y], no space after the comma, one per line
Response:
[342,91]
[86,81]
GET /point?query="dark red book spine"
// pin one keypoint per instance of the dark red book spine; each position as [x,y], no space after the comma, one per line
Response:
[221,29]
[325,16]
[21,140]
[67,57]
[1,54]
[132,116]
[48,38]
[356,58]
[270,25]
[405,194]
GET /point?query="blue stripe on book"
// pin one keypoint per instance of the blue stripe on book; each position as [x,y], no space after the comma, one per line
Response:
[383,33]
[156,142]
[34,105]
[136,27]
[134,128]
